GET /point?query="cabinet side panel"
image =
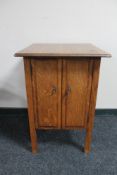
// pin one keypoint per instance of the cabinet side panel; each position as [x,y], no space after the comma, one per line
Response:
[90,72]
[93,95]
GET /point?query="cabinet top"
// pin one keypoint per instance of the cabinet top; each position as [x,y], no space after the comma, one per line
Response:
[76,50]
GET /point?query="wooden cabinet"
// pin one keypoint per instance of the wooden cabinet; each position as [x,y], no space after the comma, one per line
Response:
[61,83]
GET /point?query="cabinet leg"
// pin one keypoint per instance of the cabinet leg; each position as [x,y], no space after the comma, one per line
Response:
[91,113]
[88,138]
[33,136]
[29,89]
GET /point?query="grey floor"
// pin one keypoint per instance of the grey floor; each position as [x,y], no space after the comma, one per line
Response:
[60,151]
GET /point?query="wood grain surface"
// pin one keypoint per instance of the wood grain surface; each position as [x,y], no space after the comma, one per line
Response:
[74,50]
[75,92]
[93,96]
[46,79]
[29,91]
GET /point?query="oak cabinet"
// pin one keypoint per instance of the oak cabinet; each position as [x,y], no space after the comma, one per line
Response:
[61,84]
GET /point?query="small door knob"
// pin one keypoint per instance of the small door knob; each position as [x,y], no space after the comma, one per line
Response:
[53,91]
[68,91]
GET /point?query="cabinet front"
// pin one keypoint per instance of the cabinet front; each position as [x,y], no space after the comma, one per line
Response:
[76,86]
[61,92]
[46,82]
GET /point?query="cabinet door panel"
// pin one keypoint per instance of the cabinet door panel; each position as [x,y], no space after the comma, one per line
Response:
[76,85]
[46,79]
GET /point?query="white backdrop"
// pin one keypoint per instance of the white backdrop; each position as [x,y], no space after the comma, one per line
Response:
[23,22]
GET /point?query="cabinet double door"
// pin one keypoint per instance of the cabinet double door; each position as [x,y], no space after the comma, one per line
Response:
[61,91]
